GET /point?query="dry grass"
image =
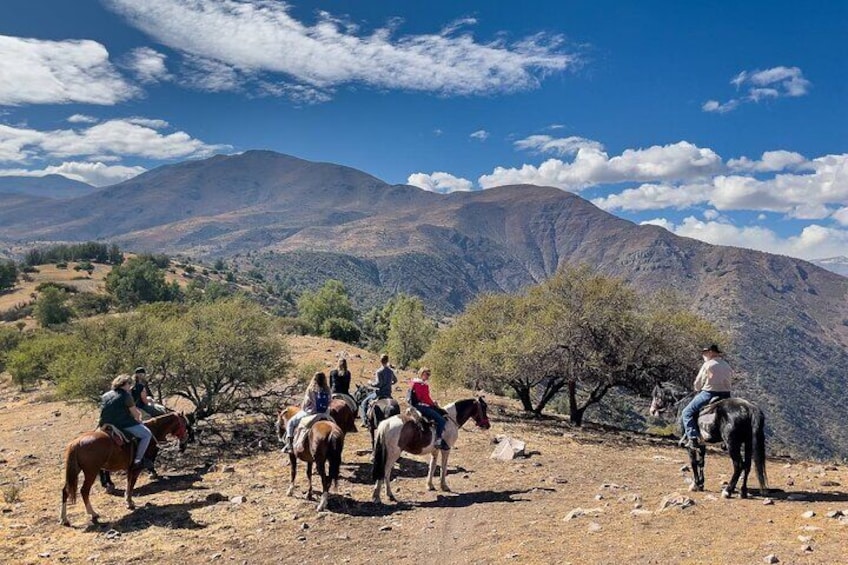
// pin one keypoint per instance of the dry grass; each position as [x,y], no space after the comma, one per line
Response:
[499,512]
[23,292]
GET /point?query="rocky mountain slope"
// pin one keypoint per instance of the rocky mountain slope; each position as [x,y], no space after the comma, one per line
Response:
[300,222]
[48,186]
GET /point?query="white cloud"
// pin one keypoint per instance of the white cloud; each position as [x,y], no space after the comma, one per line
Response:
[710,214]
[148,65]
[246,39]
[82,119]
[809,193]
[592,166]
[480,134]
[771,161]
[437,132]
[93,173]
[841,216]
[440,182]
[718,107]
[777,82]
[813,242]
[136,137]
[59,72]
[559,146]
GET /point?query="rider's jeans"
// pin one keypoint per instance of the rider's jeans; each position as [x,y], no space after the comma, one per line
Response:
[690,413]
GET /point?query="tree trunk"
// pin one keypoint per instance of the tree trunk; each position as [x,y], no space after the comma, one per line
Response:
[523,393]
[575,414]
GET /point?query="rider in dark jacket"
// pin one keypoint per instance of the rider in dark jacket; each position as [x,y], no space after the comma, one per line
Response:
[118,408]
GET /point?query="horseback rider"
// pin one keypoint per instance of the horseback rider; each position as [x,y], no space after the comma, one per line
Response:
[384,378]
[713,381]
[143,397]
[315,401]
[340,378]
[420,399]
[118,408]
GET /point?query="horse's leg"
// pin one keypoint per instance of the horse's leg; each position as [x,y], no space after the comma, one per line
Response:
[293,464]
[87,482]
[733,447]
[746,469]
[320,463]
[391,459]
[431,472]
[697,471]
[443,472]
[310,495]
[132,477]
[106,482]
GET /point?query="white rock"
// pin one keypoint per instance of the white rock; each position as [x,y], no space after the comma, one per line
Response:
[771,559]
[808,514]
[508,449]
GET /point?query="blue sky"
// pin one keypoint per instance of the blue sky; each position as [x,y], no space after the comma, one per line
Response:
[722,121]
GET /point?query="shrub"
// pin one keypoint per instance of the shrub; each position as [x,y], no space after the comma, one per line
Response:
[61,265]
[87,304]
[30,360]
[50,309]
[8,274]
[12,493]
[341,329]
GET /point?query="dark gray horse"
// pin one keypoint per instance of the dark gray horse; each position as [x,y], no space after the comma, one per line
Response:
[378,411]
[735,422]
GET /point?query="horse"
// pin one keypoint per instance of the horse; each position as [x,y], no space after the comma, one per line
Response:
[378,411]
[322,445]
[732,421]
[188,420]
[397,434]
[95,450]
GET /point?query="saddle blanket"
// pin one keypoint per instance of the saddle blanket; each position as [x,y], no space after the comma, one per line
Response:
[118,436]
[304,425]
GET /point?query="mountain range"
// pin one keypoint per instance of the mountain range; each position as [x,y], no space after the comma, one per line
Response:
[299,222]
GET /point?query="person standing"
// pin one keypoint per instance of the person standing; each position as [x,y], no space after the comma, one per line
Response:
[713,381]
[420,399]
[118,408]
[340,378]
[384,378]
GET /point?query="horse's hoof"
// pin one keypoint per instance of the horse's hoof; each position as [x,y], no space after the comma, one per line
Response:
[431,487]
[290,492]
[743,494]
[695,488]
[95,519]
[66,523]
[446,488]
[310,496]
[725,493]
[376,500]
[393,499]
[130,506]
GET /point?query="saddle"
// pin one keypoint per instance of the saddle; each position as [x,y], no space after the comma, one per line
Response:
[118,436]
[706,420]
[304,426]
[348,399]
[413,415]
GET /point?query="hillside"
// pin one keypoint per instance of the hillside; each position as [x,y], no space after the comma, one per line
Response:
[47,186]
[300,222]
[499,512]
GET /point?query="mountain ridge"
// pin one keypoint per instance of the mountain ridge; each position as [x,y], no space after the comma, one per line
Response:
[299,222]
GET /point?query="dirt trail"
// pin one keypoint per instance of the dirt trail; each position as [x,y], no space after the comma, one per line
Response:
[499,512]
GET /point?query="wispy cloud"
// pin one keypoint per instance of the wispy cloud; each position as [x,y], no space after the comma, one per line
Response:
[82,119]
[235,42]
[93,173]
[557,145]
[34,71]
[148,65]
[777,82]
[480,134]
[132,137]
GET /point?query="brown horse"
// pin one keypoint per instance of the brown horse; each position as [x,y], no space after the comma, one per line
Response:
[93,451]
[398,434]
[322,445]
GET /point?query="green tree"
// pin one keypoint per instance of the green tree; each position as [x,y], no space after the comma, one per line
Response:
[140,280]
[8,274]
[410,331]
[219,264]
[50,308]
[29,362]
[330,301]
[375,325]
[341,330]
[9,339]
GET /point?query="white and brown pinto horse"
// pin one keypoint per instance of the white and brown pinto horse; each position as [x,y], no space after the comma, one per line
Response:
[398,434]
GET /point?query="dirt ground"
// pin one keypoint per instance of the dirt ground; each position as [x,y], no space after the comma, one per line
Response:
[498,512]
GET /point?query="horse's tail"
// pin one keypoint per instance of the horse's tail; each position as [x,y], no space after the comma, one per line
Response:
[335,455]
[758,434]
[72,471]
[378,468]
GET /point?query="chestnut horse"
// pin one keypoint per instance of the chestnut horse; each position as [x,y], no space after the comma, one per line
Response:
[398,434]
[92,451]
[322,445]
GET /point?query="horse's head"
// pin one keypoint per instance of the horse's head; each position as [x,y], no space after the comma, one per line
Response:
[481,418]
[283,418]
[664,396]
[187,421]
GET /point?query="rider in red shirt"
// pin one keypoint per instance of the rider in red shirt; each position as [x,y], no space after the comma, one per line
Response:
[421,400]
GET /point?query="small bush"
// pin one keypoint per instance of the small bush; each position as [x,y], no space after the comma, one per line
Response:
[12,494]
[341,329]
[61,265]
[70,289]
[17,312]
[29,269]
